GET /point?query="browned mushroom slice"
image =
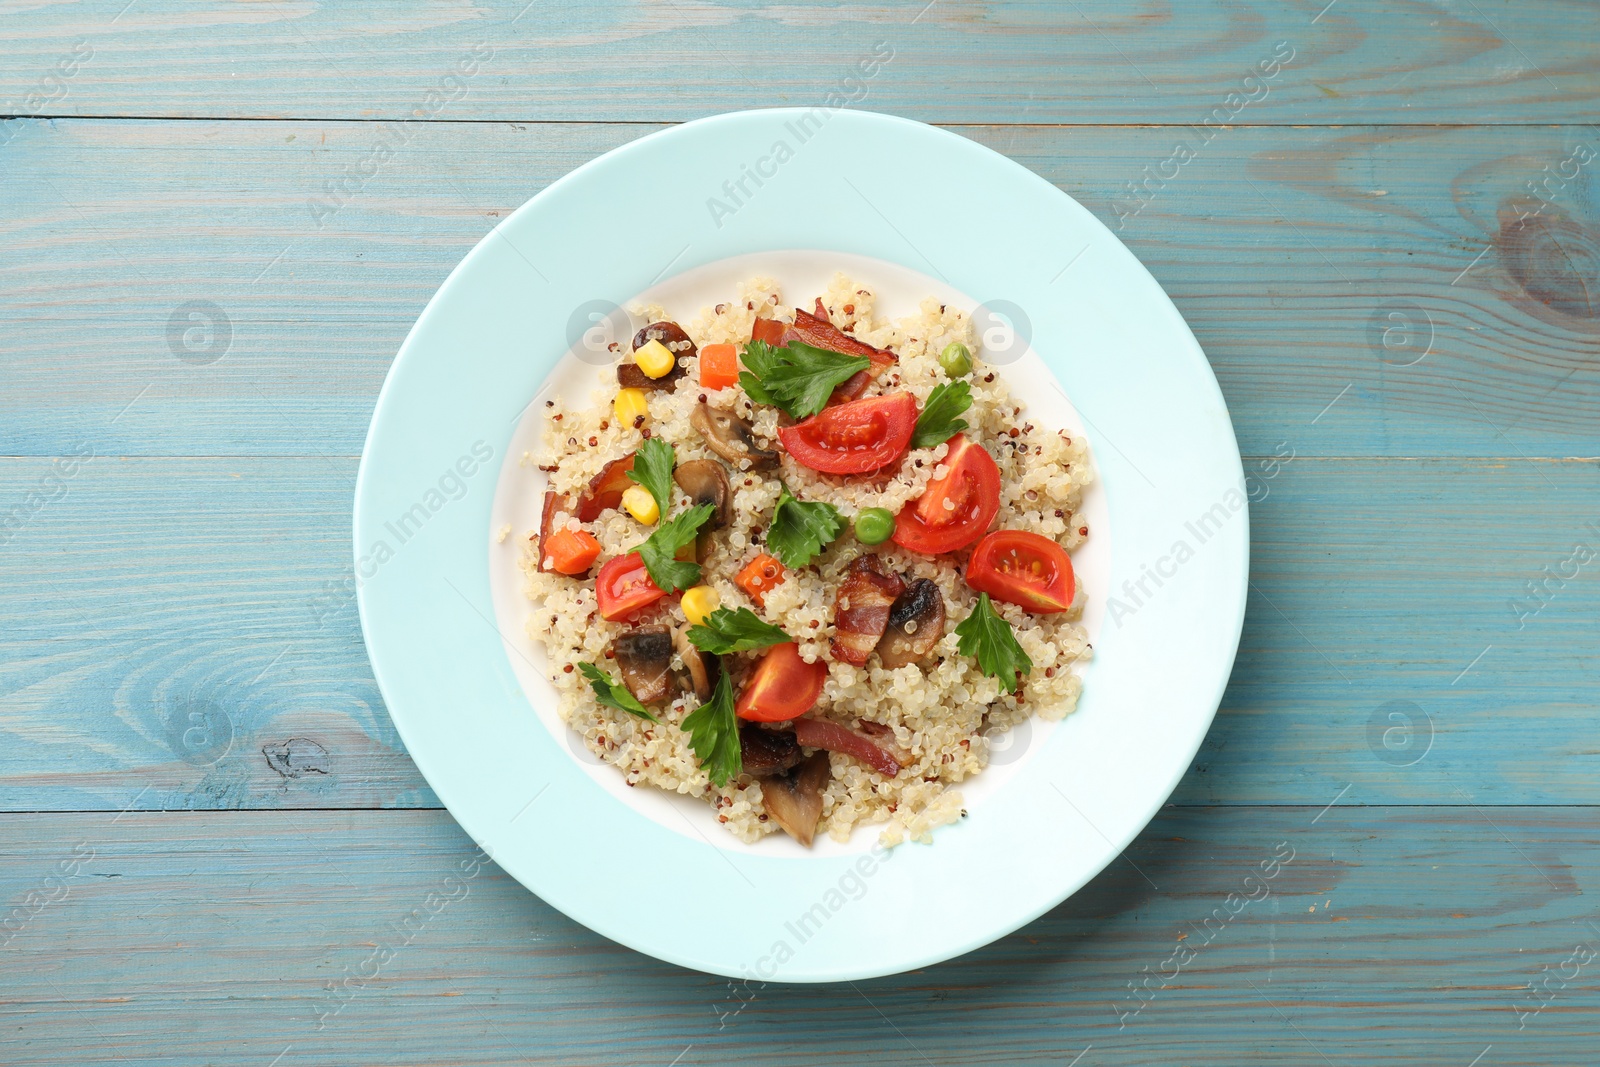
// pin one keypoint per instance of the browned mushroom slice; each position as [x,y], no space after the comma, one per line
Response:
[730,437]
[645,658]
[700,669]
[706,482]
[669,334]
[766,752]
[631,376]
[861,609]
[795,800]
[916,623]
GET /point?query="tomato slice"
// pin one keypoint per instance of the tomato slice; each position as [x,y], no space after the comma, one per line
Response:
[955,510]
[783,687]
[624,586]
[853,438]
[1024,569]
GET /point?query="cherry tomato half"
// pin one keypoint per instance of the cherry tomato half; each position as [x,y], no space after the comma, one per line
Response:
[624,586]
[955,510]
[1024,569]
[853,438]
[783,687]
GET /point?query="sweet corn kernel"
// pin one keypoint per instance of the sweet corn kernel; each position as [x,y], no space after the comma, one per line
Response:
[629,406]
[699,602]
[640,504]
[655,359]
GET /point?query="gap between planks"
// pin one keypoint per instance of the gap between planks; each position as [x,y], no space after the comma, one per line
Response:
[1175,124]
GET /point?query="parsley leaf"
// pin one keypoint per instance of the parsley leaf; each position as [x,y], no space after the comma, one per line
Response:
[660,549]
[938,422]
[713,731]
[987,637]
[727,631]
[652,468]
[798,377]
[800,530]
[761,359]
[613,694]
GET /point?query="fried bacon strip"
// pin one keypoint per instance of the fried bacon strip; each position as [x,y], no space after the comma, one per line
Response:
[861,609]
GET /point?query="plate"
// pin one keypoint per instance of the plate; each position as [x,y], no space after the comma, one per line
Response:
[672,216]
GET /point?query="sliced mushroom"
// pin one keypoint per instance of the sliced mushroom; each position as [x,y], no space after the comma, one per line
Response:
[630,376]
[861,609]
[645,658]
[706,482]
[669,334]
[766,752]
[795,800]
[916,623]
[730,437]
[700,669]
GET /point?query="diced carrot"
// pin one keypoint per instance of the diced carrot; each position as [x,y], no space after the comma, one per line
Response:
[758,576]
[571,551]
[719,366]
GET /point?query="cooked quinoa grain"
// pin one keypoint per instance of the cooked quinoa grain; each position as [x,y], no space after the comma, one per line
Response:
[941,710]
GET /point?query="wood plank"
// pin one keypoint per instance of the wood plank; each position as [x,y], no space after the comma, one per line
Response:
[157,589]
[187,622]
[1286,249]
[1402,937]
[952,60]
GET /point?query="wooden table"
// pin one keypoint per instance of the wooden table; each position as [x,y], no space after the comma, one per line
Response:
[1389,248]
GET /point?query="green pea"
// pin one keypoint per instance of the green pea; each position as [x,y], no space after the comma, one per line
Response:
[955,359]
[874,526]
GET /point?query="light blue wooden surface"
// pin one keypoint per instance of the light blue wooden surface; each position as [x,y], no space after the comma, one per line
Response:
[171,648]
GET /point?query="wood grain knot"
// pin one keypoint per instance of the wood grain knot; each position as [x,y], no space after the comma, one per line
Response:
[1555,259]
[297,757]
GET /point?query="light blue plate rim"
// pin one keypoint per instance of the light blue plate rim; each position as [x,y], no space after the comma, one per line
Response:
[854,182]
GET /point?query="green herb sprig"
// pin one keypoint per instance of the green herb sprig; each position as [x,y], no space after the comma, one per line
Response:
[796,377]
[987,637]
[660,549]
[652,468]
[727,631]
[613,694]
[713,731]
[801,529]
[939,420]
